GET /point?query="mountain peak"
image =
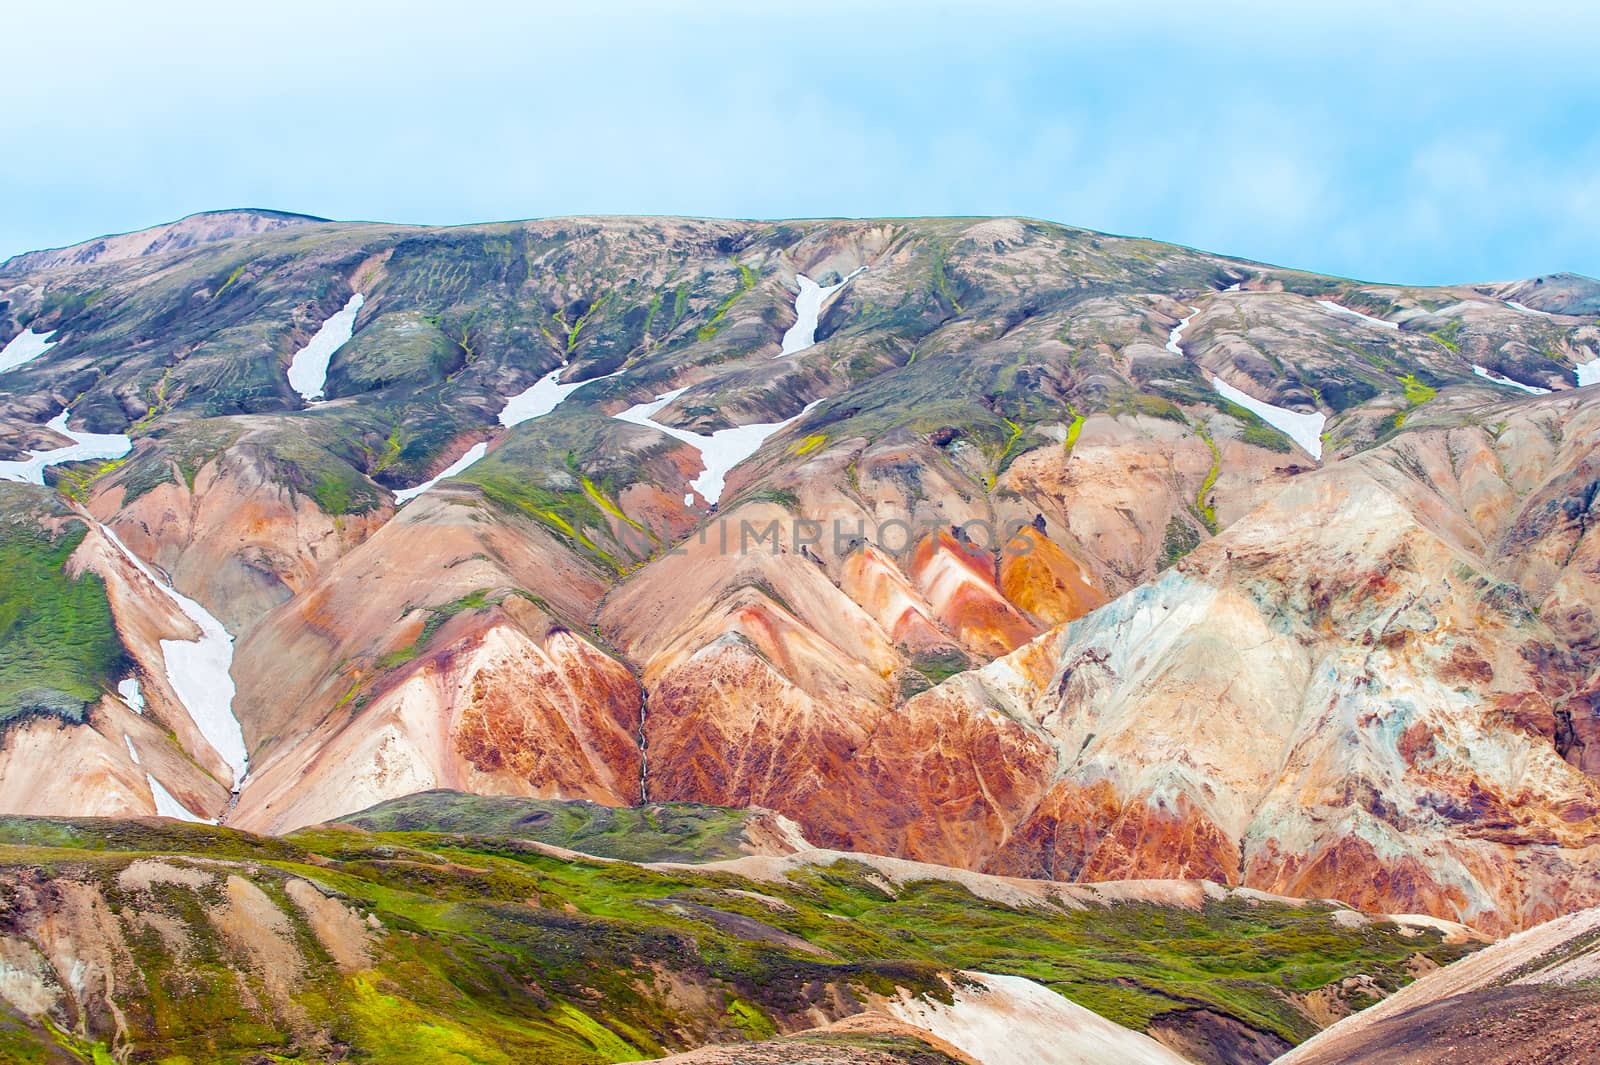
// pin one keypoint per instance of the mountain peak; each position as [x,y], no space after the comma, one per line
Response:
[200,228]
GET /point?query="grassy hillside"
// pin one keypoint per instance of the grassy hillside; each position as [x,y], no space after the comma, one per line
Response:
[430,947]
[58,648]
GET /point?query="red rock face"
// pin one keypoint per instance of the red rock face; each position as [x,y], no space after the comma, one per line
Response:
[560,718]
[935,778]
[1085,832]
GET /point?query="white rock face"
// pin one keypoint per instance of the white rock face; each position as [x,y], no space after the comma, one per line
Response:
[1500,379]
[720,452]
[1008,1020]
[474,453]
[25,347]
[542,397]
[199,671]
[807,310]
[1337,309]
[1303,429]
[84,446]
[308,370]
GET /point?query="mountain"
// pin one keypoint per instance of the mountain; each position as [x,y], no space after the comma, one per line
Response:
[988,543]
[146,939]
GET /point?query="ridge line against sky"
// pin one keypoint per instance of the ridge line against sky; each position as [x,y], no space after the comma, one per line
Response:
[1418,143]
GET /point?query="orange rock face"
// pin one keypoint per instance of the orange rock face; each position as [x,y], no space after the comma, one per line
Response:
[959,582]
[1044,580]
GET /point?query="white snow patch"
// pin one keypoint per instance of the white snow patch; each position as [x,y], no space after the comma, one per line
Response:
[720,452]
[198,671]
[1500,379]
[84,446]
[1519,308]
[1588,372]
[807,309]
[542,397]
[1337,309]
[1176,338]
[474,453]
[25,347]
[131,752]
[1303,429]
[1009,1020]
[129,690]
[308,370]
[168,806]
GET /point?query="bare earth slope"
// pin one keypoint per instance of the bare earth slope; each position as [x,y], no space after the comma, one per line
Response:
[1531,999]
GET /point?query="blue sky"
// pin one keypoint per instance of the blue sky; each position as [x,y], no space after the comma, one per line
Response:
[1423,142]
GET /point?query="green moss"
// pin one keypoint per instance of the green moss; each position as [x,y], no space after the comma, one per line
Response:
[437,616]
[1180,539]
[1202,502]
[1073,431]
[59,648]
[747,281]
[1150,406]
[808,444]
[750,1020]
[1449,336]
[237,270]
[941,280]
[1417,392]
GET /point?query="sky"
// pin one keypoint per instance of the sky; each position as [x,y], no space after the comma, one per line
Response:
[1423,142]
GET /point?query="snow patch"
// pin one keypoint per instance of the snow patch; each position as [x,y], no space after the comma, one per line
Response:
[308,370]
[1009,1020]
[807,310]
[84,446]
[474,453]
[1520,309]
[25,347]
[1337,309]
[720,452]
[168,806]
[129,690]
[1500,379]
[1303,429]
[1176,338]
[131,752]
[542,397]
[1588,372]
[199,671]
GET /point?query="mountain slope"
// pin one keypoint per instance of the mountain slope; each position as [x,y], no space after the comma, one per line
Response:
[146,938]
[1056,554]
[1529,998]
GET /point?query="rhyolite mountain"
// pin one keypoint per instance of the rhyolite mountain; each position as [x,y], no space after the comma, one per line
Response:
[1217,570]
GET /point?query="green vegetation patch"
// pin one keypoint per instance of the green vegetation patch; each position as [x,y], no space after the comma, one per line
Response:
[59,649]
[656,832]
